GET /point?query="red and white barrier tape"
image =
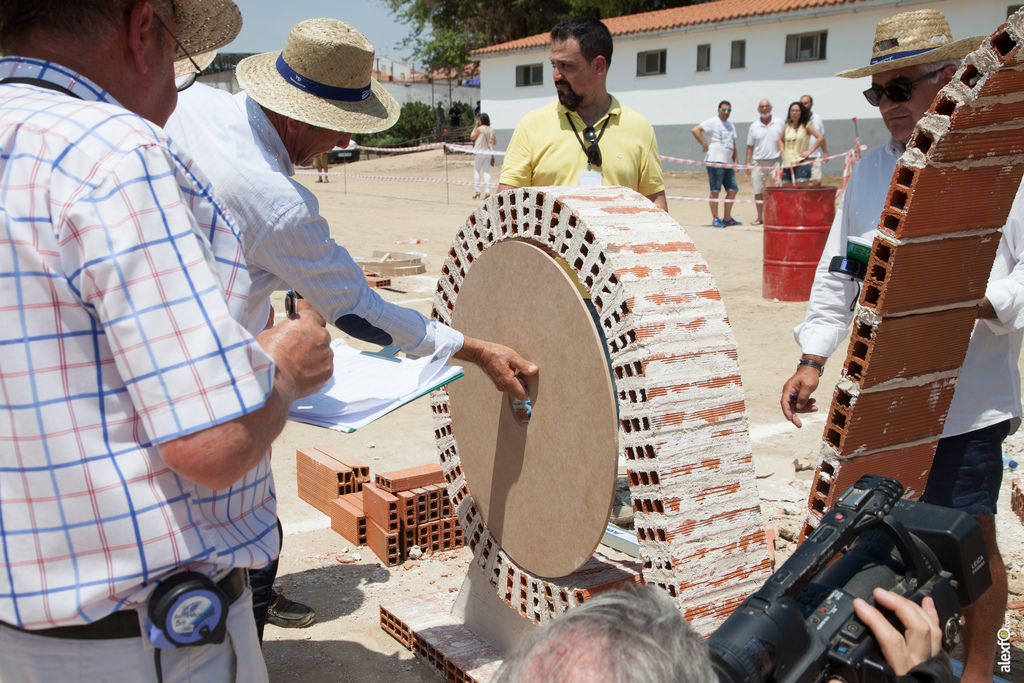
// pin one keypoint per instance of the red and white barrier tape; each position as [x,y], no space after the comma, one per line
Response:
[473,150]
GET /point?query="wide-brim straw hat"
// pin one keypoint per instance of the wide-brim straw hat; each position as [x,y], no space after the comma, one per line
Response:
[913,38]
[322,77]
[205,25]
[202,60]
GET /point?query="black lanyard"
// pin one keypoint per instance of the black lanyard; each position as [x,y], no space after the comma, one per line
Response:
[580,140]
[41,83]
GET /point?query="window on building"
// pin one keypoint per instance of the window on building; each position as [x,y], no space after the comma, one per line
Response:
[806,47]
[739,55]
[704,58]
[1011,9]
[529,74]
[650,63]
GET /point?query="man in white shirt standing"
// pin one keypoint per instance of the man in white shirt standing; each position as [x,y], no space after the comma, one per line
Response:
[914,56]
[763,152]
[719,148]
[822,150]
[295,104]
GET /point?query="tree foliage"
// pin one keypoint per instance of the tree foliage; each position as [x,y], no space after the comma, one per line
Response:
[444,32]
[415,120]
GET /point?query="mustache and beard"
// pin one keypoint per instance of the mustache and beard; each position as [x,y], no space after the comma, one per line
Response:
[569,98]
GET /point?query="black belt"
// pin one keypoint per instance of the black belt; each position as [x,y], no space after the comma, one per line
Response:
[125,623]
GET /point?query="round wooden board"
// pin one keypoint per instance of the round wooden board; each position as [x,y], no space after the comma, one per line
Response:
[545,490]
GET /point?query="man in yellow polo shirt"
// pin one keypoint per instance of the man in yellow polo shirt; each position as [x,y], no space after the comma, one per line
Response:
[587,137]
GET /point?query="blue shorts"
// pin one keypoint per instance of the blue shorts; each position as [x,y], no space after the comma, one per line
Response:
[722,176]
[968,470]
[801,173]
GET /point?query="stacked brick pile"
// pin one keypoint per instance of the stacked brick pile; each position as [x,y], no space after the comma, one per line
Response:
[929,267]
[407,508]
[397,511]
[324,473]
[682,419]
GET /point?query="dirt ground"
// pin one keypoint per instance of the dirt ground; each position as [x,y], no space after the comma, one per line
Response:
[346,643]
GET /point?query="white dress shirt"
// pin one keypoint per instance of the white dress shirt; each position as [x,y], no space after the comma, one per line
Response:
[988,390]
[287,242]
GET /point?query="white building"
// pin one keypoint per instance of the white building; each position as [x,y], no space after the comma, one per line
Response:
[675,65]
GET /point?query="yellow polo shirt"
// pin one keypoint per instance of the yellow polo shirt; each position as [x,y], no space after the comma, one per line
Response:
[544,150]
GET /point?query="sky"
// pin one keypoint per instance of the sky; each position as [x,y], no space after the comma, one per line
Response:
[265,23]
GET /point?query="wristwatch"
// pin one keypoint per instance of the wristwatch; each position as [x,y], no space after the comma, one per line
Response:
[811,363]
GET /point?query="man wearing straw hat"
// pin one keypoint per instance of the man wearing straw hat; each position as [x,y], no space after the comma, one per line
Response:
[137,411]
[914,56]
[297,103]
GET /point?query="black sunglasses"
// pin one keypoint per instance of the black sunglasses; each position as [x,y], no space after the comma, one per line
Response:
[181,82]
[896,92]
[593,151]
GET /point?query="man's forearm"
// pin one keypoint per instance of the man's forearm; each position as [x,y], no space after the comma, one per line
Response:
[219,456]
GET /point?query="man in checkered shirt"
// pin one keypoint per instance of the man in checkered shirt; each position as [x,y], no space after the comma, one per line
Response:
[135,410]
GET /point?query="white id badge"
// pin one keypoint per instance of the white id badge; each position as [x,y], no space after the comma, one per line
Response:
[588,178]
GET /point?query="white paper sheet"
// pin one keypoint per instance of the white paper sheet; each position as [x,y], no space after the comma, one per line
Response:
[366,386]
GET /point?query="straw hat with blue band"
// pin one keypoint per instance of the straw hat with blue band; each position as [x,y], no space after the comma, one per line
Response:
[205,25]
[322,77]
[913,38]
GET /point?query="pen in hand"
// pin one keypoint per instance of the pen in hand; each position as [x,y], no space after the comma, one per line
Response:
[289,303]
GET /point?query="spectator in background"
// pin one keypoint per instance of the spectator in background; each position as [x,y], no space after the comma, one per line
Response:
[476,109]
[483,138]
[322,168]
[720,148]
[763,152]
[454,116]
[794,144]
[822,151]
[439,126]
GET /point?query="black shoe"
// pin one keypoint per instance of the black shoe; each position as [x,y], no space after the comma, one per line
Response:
[287,614]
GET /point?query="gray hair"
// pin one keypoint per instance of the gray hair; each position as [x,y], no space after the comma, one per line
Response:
[620,636]
[935,68]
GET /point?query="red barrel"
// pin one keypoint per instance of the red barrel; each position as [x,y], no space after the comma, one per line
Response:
[796,225]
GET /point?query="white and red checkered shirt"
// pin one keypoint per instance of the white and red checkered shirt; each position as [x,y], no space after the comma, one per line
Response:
[123,287]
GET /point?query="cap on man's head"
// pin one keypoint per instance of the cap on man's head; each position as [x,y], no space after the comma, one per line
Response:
[912,38]
[205,25]
[322,77]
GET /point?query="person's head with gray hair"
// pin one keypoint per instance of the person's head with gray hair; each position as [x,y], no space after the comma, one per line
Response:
[621,636]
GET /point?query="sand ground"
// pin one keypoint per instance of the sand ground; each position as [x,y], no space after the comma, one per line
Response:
[346,643]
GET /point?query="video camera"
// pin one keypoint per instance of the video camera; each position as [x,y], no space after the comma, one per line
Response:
[800,627]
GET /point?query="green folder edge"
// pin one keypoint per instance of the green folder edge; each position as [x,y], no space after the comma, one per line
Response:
[417,396]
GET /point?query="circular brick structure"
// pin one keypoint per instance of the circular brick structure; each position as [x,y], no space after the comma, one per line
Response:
[682,422]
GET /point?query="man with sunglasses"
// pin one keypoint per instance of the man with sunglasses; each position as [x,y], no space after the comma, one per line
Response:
[719,148]
[586,137]
[137,410]
[907,71]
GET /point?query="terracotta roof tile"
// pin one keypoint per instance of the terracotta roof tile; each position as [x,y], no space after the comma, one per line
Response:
[678,18]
